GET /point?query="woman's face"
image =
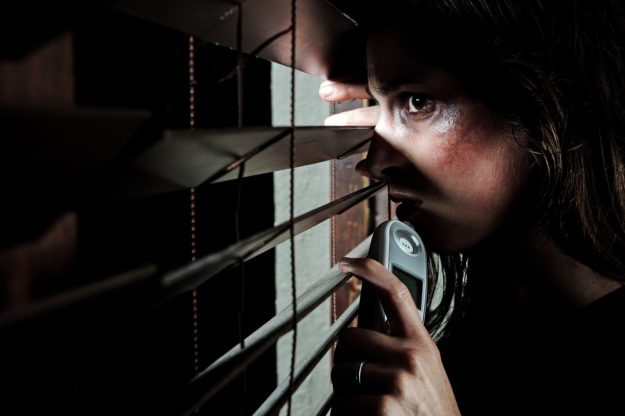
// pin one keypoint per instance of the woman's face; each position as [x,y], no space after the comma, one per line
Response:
[455,169]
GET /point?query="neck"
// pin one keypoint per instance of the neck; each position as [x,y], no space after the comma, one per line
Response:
[544,278]
[576,283]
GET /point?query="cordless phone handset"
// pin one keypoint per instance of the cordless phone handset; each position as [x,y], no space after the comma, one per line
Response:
[398,247]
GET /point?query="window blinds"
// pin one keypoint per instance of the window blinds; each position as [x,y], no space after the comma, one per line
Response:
[177,159]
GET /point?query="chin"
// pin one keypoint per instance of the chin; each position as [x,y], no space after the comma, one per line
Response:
[439,233]
[445,238]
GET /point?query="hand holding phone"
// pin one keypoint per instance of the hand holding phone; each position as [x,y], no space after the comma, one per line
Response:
[398,247]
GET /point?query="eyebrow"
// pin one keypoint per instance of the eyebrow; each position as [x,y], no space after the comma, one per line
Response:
[384,89]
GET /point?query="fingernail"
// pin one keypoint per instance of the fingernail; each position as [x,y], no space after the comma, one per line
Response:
[345,265]
[327,90]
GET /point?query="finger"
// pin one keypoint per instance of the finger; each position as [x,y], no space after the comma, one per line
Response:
[362,343]
[375,378]
[367,116]
[363,405]
[340,92]
[397,302]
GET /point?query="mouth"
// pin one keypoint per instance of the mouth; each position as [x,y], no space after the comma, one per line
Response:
[403,197]
[408,202]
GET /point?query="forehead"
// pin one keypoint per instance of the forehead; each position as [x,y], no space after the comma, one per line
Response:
[393,62]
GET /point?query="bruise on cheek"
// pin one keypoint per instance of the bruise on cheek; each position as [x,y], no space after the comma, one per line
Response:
[470,140]
[482,163]
[450,115]
[456,153]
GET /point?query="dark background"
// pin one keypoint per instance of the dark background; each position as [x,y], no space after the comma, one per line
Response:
[120,357]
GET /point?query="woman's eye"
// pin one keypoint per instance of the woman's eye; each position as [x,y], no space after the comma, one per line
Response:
[419,104]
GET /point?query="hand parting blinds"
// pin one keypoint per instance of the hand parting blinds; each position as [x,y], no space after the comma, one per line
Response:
[146,178]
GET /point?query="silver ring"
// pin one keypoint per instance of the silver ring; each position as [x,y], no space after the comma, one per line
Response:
[359,372]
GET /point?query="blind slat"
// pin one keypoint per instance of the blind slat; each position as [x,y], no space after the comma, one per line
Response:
[200,271]
[224,369]
[327,42]
[164,287]
[188,158]
[280,395]
[324,405]
[76,296]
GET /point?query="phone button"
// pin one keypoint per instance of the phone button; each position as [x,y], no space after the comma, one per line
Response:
[407,242]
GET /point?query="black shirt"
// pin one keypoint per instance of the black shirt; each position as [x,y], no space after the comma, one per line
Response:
[506,361]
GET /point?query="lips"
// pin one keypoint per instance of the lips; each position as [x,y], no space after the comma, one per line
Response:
[403,196]
[408,203]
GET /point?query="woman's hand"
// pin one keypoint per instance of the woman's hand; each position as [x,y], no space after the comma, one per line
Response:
[403,373]
[341,92]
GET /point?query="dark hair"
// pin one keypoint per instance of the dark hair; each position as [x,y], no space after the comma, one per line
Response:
[553,69]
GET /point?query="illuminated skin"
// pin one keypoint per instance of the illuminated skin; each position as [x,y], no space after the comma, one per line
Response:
[454,166]
[459,175]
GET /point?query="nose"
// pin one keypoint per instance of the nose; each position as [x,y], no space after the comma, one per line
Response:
[383,161]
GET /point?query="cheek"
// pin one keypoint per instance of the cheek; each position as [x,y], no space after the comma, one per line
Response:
[461,143]
[475,187]
[475,163]
[452,159]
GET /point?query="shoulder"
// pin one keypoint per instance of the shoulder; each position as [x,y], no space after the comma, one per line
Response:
[573,364]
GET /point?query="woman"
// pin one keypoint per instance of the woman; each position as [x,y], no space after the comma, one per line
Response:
[500,130]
